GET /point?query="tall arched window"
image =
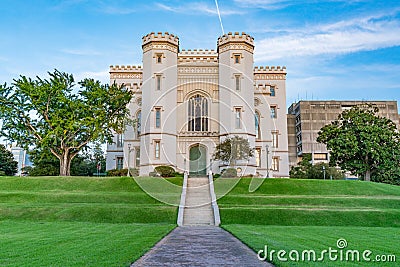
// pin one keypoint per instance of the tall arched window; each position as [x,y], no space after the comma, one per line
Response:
[257,124]
[198,114]
[138,123]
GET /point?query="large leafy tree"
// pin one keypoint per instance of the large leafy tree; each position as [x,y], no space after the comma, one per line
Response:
[233,149]
[8,165]
[53,114]
[364,143]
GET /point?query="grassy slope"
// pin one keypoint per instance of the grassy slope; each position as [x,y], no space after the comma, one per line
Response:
[310,214]
[312,202]
[75,221]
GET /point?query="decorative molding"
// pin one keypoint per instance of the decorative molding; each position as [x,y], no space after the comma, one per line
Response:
[125,75]
[269,76]
[197,70]
[235,46]
[160,46]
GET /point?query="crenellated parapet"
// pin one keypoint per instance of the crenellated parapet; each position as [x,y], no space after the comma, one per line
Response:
[126,72]
[160,41]
[198,56]
[127,68]
[270,73]
[235,41]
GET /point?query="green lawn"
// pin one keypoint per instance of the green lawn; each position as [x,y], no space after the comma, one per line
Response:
[80,221]
[380,240]
[310,214]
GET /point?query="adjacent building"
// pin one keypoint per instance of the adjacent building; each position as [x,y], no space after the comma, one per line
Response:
[187,101]
[306,118]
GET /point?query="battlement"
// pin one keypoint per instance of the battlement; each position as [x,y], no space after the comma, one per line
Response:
[236,38]
[197,52]
[198,56]
[269,70]
[160,37]
[127,68]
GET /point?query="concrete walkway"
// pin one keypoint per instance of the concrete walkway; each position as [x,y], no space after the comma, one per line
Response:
[198,242]
[198,209]
[200,246]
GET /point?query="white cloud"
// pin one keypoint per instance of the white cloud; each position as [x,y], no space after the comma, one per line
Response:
[361,34]
[279,4]
[81,52]
[199,8]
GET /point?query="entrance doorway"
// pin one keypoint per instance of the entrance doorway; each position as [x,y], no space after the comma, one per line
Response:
[198,160]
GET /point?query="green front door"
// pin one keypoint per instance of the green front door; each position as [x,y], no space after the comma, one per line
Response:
[198,161]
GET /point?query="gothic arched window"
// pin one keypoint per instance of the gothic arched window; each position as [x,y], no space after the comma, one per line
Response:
[138,123]
[257,124]
[198,114]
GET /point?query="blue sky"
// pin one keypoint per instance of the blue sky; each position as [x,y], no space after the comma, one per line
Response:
[333,49]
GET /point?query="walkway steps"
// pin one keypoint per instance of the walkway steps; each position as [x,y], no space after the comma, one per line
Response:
[198,210]
[200,246]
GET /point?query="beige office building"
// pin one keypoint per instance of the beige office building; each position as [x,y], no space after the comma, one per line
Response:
[187,101]
[306,118]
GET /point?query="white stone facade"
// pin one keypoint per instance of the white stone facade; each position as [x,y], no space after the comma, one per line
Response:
[187,101]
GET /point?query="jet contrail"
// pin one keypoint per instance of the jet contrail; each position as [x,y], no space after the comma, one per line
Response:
[219,15]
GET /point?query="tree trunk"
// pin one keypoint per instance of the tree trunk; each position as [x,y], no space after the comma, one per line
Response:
[368,175]
[65,164]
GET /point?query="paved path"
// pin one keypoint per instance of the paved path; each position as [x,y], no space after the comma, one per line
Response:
[198,209]
[200,246]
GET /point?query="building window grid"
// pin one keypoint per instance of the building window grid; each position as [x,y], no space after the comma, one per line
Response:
[273,112]
[120,140]
[237,58]
[158,118]
[275,164]
[159,58]
[137,157]
[198,114]
[138,123]
[272,90]
[237,82]
[120,163]
[158,82]
[238,118]
[258,156]
[157,149]
[275,139]
[257,125]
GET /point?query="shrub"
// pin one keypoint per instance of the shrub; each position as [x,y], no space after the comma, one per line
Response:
[178,174]
[116,172]
[154,174]
[216,175]
[2,173]
[165,171]
[134,172]
[230,172]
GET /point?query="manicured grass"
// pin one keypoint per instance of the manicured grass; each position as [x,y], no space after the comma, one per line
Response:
[81,221]
[76,243]
[311,202]
[112,200]
[379,240]
[287,214]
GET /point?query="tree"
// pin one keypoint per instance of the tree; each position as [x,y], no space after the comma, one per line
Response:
[84,164]
[51,114]
[233,149]
[7,163]
[364,143]
[305,170]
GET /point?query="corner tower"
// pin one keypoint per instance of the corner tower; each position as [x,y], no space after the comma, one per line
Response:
[159,96]
[236,90]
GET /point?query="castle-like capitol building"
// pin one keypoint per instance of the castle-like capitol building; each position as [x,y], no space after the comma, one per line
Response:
[187,101]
